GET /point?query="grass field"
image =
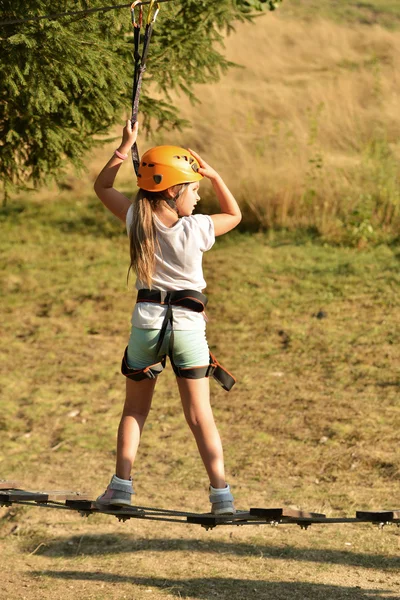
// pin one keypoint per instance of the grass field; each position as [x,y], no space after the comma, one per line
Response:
[305,315]
[313,421]
[369,12]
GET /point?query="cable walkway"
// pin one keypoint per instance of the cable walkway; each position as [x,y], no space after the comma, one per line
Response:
[10,494]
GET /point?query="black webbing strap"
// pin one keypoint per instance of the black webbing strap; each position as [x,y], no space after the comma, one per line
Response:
[191,299]
[214,369]
[169,318]
[140,66]
[150,372]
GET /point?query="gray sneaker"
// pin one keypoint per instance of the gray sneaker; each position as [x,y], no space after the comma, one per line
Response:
[118,493]
[222,501]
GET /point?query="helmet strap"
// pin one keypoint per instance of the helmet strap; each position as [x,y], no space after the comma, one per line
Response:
[171,202]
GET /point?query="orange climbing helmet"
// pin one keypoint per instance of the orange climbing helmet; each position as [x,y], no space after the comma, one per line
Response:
[164,166]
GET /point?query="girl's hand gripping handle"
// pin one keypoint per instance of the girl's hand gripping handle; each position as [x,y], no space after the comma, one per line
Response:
[116,202]
[129,136]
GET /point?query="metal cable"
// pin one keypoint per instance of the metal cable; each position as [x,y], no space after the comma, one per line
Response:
[74,13]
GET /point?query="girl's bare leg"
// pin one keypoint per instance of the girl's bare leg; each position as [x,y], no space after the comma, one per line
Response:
[139,395]
[195,397]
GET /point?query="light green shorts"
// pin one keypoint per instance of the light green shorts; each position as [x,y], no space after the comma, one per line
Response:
[190,348]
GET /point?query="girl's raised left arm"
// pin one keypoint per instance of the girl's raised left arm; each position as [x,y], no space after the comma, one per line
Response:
[230,214]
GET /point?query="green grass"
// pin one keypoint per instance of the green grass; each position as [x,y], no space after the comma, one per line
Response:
[311,331]
[67,318]
[369,12]
[312,422]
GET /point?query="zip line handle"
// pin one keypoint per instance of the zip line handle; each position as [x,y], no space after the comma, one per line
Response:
[140,60]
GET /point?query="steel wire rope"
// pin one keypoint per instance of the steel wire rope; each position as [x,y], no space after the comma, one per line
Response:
[87,11]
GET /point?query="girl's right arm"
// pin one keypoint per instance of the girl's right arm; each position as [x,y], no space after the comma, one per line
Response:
[230,214]
[116,202]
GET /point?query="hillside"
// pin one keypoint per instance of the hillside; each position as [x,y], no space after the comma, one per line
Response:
[306,131]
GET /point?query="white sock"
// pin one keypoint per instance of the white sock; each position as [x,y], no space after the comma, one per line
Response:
[119,480]
[219,490]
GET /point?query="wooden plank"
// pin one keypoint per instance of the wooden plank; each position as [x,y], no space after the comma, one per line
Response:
[274,514]
[211,520]
[63,495]
[127,511]
[80,504]
[270,514]
[207,520]
[8,485]
[378,516]
[15,495]
[301,514]
[90,506]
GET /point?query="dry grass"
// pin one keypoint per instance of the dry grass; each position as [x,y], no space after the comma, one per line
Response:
[312,422]
[302,128]
[370,12]
[306,132]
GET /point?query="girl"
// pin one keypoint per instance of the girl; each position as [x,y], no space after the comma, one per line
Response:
[166,246]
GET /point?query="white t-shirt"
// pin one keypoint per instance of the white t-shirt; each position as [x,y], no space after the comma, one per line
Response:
[178,267]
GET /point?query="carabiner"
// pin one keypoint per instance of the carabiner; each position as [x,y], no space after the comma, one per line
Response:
[157,10]
[134,4]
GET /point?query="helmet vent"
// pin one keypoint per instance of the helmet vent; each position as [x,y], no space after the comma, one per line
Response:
[157,178]
[144,164]
[150,165]
[194,167]
[188,159]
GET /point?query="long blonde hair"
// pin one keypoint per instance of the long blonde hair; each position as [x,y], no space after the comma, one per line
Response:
[143,235]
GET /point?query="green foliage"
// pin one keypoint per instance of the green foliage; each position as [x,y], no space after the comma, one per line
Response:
[64,82]
[369,12]
[260,4]
[376,210]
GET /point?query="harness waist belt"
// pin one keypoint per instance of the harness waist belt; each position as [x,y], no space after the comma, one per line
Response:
[191,299]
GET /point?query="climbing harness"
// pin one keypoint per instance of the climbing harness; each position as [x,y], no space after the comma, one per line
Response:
[192,300]
[140,61]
